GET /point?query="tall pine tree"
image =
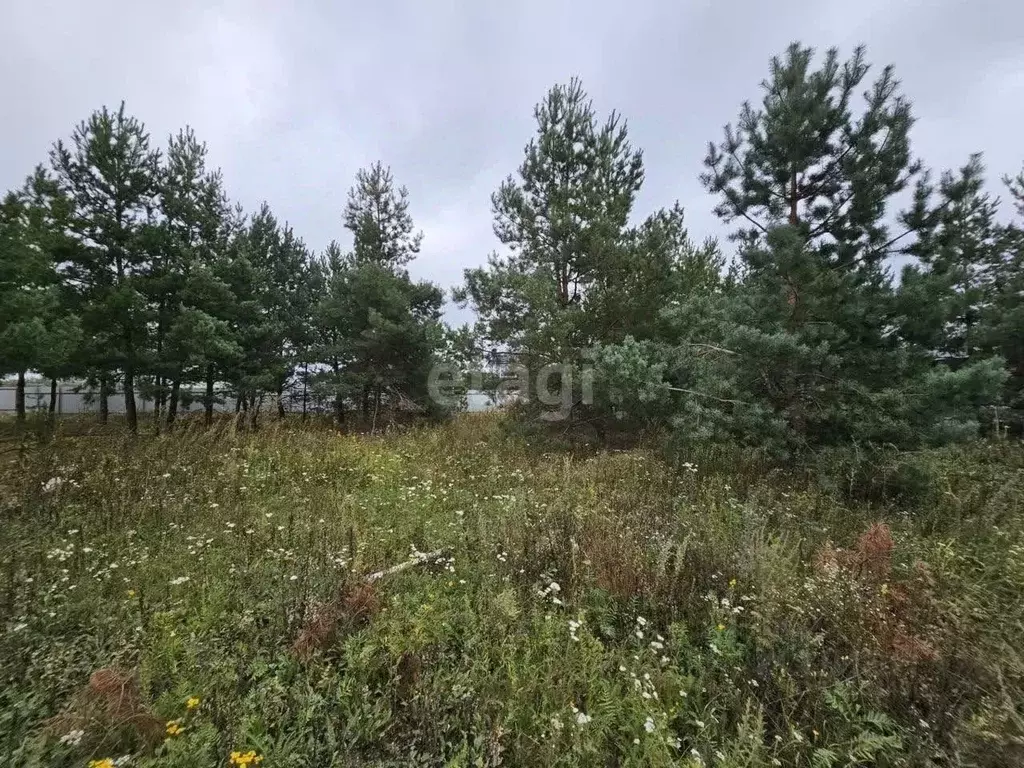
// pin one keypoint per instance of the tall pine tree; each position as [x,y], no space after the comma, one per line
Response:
[192,299]
[564,221]
[376,330]
[112,176]
[814,348]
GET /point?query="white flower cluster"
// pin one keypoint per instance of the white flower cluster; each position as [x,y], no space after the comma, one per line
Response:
[574,627]
[550,591]
[73,738]
[582,718]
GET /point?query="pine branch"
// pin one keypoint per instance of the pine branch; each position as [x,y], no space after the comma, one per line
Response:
[710,397]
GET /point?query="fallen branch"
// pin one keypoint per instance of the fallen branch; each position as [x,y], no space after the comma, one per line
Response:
[705,394]
[426,557]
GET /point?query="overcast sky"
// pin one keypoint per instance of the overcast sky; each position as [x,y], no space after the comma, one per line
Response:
[293,97]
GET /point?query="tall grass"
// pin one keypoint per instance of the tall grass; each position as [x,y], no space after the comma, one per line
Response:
[202,599]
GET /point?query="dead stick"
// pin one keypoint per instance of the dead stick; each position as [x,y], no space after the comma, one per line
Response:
[419,559]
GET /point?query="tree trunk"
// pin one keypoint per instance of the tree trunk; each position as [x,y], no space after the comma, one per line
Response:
[339,409]
[158,397]
[209,394]
[53,397]
[104,399]
[366,401]
[280,402]
[376,407]
[19,396]
[172,406]
[129,400]
[305,381]
[254,412]
[794,217]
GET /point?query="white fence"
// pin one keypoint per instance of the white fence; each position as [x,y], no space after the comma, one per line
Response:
[70,400]
[73,397]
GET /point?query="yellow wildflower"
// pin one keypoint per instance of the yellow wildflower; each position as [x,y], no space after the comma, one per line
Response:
[732,583]
[721,627]
[174,728]
[192,703]
[246,758]
[131,593]
[106,762]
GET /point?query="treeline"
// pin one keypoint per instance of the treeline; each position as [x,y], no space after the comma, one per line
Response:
[808,338]
[866,300]
[129,268]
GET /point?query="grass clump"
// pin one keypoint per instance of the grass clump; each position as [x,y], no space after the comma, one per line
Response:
[202,599]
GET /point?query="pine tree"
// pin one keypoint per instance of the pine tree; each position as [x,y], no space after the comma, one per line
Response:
[266,275]
[656,263]
[193,300]
[377,336]
[376,330]
[956,240]
[815,348]
[112,177]
[377,215]
[657,304]
[809,159]
[37,331]
[1001,326]
[393,331]
[564,221]
[331,325]
[255,324]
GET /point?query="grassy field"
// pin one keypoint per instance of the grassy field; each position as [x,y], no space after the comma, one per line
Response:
[205,599]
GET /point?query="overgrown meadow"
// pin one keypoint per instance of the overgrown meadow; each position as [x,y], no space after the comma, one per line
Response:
[209,599]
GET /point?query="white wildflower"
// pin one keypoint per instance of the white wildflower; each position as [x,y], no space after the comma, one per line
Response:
[649,725]
[72,738]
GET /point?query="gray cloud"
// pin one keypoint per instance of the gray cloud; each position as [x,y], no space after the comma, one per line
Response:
[293,98]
